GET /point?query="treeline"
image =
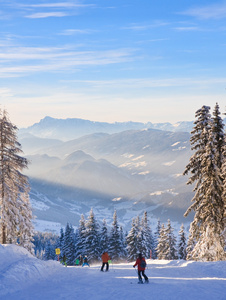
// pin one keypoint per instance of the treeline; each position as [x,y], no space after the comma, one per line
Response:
[92,239]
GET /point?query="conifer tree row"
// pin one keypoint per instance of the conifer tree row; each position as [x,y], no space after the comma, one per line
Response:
[92,240]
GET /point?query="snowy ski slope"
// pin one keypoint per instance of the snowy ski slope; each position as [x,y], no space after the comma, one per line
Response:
[24,277]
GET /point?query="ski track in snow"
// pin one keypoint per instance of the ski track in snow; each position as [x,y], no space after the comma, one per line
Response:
[24,277]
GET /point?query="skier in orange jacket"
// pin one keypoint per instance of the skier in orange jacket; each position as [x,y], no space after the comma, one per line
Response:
[105,258]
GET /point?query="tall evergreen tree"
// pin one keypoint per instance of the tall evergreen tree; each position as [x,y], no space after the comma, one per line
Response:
[224,188]
[182,254]
[207,202]
[81,238]
[199,139]
[162,243]
[115,246]
[49,251]
[15,210]
[190,245]
[218,133]
[209,216]
[92,238]
[69,245]
[123,243]
[147,235]
[156,239]
[171,251]
[60,243]
[133,240]
[104,240]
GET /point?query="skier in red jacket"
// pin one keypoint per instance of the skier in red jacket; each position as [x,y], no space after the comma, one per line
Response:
[141,263]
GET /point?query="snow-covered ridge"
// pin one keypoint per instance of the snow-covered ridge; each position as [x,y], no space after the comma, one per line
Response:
[66,129]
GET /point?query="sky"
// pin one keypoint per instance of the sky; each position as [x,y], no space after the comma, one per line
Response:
[111,60]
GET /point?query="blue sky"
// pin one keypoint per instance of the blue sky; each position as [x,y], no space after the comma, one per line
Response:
[111,60]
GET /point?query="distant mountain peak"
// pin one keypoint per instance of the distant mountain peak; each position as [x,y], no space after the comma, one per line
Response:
[71,128]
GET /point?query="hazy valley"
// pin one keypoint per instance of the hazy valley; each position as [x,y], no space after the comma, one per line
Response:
[130,170]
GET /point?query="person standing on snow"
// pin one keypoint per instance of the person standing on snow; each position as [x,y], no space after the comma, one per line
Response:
[85,262]
[105,258]
[141,263]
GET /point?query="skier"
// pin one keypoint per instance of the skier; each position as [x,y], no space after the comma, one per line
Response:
[141,263]
[64,260]
[77,262]
[80,260]
[85,262]
[105,258]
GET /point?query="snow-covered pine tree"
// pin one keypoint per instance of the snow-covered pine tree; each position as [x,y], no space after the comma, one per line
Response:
[92,238]
[224,189]
[123,243]
[60,243]
[198,140]
[156,238]
[104,237]
[81,238]
[49,251]
[220,153]
[15,210]
[190,245]
[147,236]
[133,240]
[115,245]
[162,243]
[182,244]
[171,250]
[69,245]
[207,202]
[217,128]
[141,242]
[209,215]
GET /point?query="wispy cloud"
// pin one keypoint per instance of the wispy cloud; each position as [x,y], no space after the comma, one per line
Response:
[141,27]
[46,15]
[215,11]
[191,28]
[77,31]
[20,61]
[139,83]
[56,4]
[5,92]
[46,10]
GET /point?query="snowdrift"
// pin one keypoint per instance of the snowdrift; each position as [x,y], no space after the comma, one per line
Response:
[24,277]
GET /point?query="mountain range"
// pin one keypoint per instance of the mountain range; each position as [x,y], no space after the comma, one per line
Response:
[71,128]
[130,170]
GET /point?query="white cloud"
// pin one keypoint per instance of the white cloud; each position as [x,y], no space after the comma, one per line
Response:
[60,4]
[215,11]
[76,31]
[21,60]
[5,92]
[139,27]
[46,15]
[191,28]
[152,82]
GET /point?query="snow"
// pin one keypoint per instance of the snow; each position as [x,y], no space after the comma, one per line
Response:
[24,277]
[43,225]
[39,205]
